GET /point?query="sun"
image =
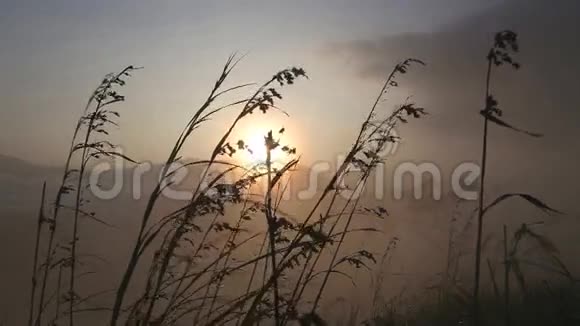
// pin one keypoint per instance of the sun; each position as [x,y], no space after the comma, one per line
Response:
[251,150]
[255,153]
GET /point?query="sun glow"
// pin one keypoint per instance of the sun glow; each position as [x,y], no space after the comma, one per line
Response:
[256,153]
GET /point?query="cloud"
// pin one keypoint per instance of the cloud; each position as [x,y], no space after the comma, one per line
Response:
[542,96]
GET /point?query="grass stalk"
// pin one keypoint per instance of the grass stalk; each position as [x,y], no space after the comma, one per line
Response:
[34,280]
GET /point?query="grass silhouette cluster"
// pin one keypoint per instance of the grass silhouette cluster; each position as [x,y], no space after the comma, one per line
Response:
[191,255]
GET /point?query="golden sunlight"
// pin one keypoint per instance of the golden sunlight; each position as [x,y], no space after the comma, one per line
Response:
[256,151]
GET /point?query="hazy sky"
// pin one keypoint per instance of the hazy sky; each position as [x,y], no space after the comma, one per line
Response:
[54,52]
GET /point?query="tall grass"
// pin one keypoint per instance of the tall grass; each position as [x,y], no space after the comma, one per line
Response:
[180,284]
[501,53]
[535,304]
[189,257]
[35,259]
[95,119]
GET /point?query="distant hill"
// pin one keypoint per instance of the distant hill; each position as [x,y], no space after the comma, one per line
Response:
[14,166]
